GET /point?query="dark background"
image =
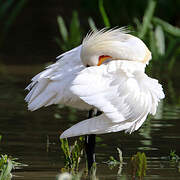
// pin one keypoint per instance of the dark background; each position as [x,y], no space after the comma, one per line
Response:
[31,38]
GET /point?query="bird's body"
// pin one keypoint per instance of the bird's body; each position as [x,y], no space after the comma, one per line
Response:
[106,72]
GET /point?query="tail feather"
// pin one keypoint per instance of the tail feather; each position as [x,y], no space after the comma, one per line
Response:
[96,125]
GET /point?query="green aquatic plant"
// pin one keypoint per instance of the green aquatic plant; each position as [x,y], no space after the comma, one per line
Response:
[147,19]
[92,24]
[72,37]
[175,31]
[6,167]
[162,38]
[72,153]
[104,14]
[112,162]
[173,156]
[7,164]
[138,165]
[174,160]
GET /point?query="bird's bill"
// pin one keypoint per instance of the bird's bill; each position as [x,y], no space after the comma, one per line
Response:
[102,59]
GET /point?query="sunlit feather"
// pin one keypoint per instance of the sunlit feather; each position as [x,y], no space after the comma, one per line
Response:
[119,87]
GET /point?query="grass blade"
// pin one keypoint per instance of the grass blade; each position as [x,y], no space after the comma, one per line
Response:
[175,31]
[62,28]
[92,24]
[152,43]
[103,14]
[6,168]
[138,24]
[147,18]
[75,36]
[160,40]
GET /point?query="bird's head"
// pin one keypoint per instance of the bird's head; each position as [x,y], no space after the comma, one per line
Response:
[101,46]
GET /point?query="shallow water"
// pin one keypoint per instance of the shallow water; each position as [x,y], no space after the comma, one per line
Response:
[33,137]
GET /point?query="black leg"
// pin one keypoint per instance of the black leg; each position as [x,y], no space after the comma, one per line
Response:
[90,142]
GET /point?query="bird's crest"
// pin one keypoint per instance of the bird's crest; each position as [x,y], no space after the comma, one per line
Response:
[95,37]
[116,43]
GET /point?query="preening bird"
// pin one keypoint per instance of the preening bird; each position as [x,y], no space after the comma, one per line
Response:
[106,72]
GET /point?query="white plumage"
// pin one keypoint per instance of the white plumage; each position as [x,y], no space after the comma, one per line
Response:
[115,83]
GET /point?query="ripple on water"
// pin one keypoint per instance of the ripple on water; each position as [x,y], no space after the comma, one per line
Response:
[25,137]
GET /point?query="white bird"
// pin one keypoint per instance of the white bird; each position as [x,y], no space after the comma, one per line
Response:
[106,72]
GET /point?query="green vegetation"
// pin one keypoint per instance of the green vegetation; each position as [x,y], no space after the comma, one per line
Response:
[173,156]
[112,162]
[174,160]
[71,38]
[104,14]
[138,165]
[162,38]
[159,36]
[7,164]
[72,154]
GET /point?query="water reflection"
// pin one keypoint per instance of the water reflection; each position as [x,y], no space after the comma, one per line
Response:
[34,137]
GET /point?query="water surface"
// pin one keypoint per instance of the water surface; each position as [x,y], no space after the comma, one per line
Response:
[33,137]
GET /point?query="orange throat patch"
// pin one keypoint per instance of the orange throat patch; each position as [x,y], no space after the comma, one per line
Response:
[102,59]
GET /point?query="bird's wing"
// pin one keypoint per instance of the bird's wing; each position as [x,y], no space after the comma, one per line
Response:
[52,85]
[125,96]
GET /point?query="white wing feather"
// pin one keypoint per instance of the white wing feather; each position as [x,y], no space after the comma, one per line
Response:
[52,86]
[122,91]
[120,88]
